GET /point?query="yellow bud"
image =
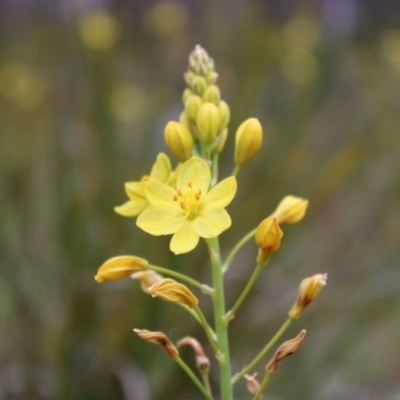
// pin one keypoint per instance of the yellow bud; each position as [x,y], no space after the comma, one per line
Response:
[199,85]
[186,93]
[192,106]
[147,278]
[211,77]
[212,94]
[220,141]
[189,76]
[208,122]
[308,291]
[268,239]
[286,349]
[160,339]
[224,114]
[184,120]
[202,361]
[248,140]
[175,292]
[179,140]
[120,267]
[290,210]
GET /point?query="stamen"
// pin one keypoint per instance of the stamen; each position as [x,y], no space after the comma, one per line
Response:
[190,184]
[175,198]
[196,195]
[183,205]
[199,191]
[179,192]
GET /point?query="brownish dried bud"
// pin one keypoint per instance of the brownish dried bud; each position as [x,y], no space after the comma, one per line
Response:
[308,291]
[252,384]
[160,339]
[202,361]
[147,278]
[175,292]
[286,349]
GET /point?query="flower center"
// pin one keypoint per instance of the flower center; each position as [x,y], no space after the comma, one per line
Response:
[189,201]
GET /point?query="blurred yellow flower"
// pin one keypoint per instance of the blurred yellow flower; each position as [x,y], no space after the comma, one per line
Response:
[160,172]
[190,211]
[99,30]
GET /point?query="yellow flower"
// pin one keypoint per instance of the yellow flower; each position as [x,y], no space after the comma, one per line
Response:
[290,210]
[190,211]
[120,267]
[160,172]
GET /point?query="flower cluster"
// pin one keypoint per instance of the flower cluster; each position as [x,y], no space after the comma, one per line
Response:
[189,203]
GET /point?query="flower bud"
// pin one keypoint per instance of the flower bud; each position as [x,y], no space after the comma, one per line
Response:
[160,339]
[220,141]
[268,239]
[290,210]
[199,85]
[179,140]
[248,140]
[208,122]
[186,93]
[211,77]
[308,291]
[286,349]
[202,361]
[147,278]
[192,106]
[189,76]
[252,384]
[212,94]
[224,114]
[175,292]
[120,267]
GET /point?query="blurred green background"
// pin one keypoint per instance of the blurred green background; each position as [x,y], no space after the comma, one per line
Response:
[86,88]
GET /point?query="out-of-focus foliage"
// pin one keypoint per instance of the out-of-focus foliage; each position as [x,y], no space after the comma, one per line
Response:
[86,88]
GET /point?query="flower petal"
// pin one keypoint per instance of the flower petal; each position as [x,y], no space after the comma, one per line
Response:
[195,171]
[212,222]
[161,168]
[185,239]
[131,208]
[160,219]
[135,190]
[221,194]
[159,193]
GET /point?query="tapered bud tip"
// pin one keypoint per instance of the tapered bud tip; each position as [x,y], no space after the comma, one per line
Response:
[212,94]
[268,238]
[286,349]
[120,267]
[175,292]
[192,106]
[248,141]
[208,122]
[290,210]
[308,290]
[160,339]
[179,140]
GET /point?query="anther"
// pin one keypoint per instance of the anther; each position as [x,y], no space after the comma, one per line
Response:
[197,197]
[179,192]
[183,204]
[199,191]
[175,198]
[190,184]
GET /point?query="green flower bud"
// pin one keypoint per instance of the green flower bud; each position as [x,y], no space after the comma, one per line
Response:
[208,122]
[211,77]
[186,93]
[192,106]
[189,76]
[220,141]
[248,140]
[198,85]
[224,114]
[179,140]
[212,94]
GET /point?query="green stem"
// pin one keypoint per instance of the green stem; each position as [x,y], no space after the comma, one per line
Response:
[220,325]
[236,249]
[236,170]
[263,385]
[231,314]
[204,288]
[197,318]
[208,331]
[206,381]
[264,351]
[193,377]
